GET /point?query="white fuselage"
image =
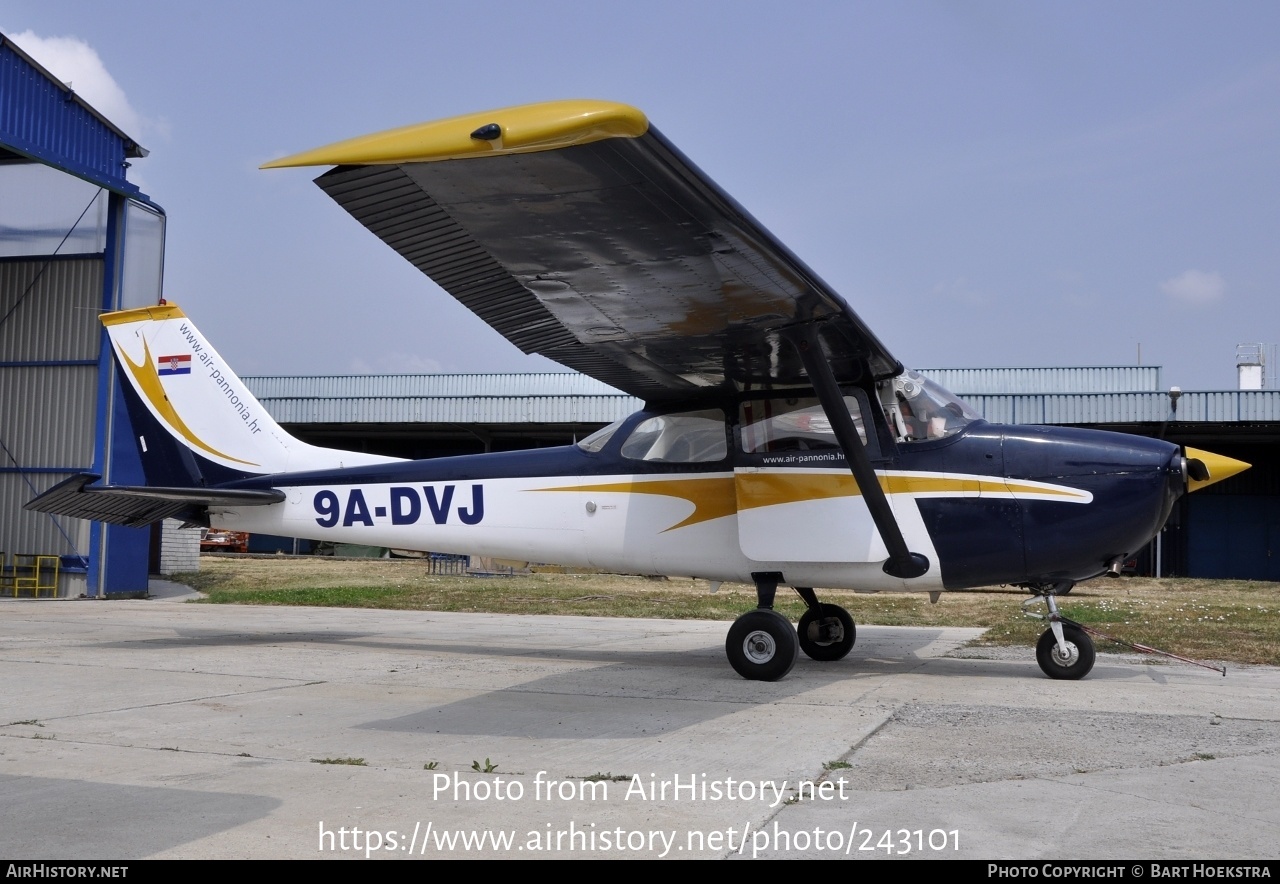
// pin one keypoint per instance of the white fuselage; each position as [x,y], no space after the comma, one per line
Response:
[668,524]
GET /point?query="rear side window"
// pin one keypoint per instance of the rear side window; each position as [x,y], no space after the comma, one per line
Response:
[680,437]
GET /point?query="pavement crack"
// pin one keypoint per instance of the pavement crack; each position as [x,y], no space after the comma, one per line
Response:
[180,702]
[1149,800]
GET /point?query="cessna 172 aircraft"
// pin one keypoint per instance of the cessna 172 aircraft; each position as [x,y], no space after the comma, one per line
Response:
[781,443]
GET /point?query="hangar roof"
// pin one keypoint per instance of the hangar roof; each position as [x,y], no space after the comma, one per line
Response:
[43,119]
[1088,395]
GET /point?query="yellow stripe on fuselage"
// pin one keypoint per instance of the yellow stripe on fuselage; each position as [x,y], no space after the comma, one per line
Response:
[714,498]
[772,489]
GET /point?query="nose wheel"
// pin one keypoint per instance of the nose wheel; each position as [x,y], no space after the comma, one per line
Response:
[1070,659]
[1065,651]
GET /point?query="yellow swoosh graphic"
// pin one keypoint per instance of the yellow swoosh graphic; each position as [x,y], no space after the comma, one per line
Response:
[148,382]
[771,489]
[719,497]
[711,498]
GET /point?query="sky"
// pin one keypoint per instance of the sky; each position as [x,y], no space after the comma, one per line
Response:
[987,183]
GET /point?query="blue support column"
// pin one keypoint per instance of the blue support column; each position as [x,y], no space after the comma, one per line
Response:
[118,556]
[128,549]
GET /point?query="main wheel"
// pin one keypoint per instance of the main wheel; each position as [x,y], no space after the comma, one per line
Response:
[826,632]
[1077,659]
[761,645]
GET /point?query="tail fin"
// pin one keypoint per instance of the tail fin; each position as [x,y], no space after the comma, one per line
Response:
[196,422]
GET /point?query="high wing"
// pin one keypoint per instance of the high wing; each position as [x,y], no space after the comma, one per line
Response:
[577,231]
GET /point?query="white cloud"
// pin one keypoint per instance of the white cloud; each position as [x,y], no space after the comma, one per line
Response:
[76,63]
[1195,287]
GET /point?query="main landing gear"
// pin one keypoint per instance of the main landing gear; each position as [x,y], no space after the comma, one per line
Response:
[1064,651]
[762,646]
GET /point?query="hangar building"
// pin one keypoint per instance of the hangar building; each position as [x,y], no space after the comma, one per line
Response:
[1228,530]
[76,238]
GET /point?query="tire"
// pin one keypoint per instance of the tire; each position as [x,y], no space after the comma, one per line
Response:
[762,646]
[1081,654]
[826,633]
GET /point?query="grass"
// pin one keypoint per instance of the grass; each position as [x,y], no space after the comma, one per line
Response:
[1227,620]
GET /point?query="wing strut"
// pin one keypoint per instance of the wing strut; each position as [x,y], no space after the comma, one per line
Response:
[902,562]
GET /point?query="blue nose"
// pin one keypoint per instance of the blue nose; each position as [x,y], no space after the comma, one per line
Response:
[1133,482]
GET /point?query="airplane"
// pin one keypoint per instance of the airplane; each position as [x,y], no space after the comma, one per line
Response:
[781,443]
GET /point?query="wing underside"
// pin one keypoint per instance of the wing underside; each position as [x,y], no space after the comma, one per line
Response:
[616,257]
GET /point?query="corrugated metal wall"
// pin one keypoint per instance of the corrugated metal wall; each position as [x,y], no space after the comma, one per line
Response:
[48,416]
[547,397]
[1228,406]
[429,385]
[48,387]
[453,410]
[1087,379]
[65,297]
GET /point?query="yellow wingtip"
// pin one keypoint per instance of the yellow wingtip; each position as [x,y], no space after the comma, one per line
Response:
[1219,466]
[522,129]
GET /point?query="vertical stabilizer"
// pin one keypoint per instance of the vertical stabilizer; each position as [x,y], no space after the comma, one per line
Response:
[192,396]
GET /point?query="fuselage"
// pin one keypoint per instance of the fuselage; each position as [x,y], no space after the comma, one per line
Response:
[988,504]
[802,480]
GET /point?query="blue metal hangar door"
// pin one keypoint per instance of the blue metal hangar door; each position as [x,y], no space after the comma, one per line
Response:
[1234,527]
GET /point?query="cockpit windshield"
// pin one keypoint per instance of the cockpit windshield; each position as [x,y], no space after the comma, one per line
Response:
[920,409]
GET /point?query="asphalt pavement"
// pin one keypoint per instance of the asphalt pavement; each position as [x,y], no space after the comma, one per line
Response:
[157,728]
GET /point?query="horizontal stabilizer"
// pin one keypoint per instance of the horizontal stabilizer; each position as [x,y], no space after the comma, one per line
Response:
[138,506]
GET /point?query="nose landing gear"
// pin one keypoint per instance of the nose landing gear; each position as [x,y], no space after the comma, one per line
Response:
[1065,651]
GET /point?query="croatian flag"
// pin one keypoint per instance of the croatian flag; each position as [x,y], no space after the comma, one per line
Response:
[173,365]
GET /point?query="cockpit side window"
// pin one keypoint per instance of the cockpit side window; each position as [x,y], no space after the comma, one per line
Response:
[799,424]
[679,437]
